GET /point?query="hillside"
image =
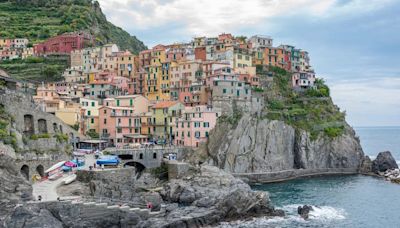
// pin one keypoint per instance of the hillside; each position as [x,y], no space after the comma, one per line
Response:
[38,20]
[36,69]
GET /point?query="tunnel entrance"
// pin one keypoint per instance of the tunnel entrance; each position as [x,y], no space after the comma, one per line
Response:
[138,166]
[40,170]
[25,171]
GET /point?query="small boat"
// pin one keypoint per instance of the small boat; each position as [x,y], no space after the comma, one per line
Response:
[55,167]
[108,160]
[69,179]
[55,176]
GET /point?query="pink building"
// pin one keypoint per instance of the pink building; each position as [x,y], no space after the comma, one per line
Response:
[120,120]
[303,80]
[195,125]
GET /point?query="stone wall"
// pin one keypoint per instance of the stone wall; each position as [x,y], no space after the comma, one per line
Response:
[253,178]
[28,115]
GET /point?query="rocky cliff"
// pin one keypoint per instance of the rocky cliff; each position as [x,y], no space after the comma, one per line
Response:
[260,145]
[13,187]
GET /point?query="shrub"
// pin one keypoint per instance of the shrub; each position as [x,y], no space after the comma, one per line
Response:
[92,134]
[61,137]
[333,132]
[276,105]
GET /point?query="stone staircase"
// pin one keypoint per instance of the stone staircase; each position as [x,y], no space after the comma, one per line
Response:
[97,209]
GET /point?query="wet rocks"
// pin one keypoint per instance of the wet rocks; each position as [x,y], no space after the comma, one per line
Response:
[304,211]
[383,162]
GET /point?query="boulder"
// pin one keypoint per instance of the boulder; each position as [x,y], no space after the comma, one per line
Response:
[384,161]
[304,211]
[366,165]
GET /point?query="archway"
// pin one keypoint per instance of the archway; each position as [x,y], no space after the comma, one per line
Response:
[40,170]
[138,166]
[25,171]
[55,128]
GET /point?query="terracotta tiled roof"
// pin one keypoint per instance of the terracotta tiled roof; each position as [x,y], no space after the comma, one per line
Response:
[165,104]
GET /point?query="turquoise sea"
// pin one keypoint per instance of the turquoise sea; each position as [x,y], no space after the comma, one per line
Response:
[341,201]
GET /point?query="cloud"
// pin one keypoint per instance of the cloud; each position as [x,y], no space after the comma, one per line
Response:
[210,17]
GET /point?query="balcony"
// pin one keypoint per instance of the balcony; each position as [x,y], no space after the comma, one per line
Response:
[105,136]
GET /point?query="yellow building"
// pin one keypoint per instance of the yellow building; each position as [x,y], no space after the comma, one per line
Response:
[69,112]
[90,115]
[124,64]
[157,80]
[242,58]
[164,115]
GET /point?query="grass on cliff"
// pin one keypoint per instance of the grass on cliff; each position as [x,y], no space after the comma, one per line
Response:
[7,137]
[311,110]
[38,20]
[36,69]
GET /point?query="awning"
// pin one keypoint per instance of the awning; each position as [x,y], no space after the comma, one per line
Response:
[135,136]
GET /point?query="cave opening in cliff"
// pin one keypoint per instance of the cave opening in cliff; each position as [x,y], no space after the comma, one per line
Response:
[25,171]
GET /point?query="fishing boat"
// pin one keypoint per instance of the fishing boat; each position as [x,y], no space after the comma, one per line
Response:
[55,171]
[69,179]
[108,160]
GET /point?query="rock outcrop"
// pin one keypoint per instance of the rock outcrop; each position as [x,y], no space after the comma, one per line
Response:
[384,161]
[208,197]
[304,211]
[260,145]
[14,188]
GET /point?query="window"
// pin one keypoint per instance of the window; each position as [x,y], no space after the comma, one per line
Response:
[105,111]
[88,113]
[154,155]
[119,130]
[131,102]
[105,121]
[92,103]
[223,90]
[197,134]
[207,134]
[92,120]
[188,134]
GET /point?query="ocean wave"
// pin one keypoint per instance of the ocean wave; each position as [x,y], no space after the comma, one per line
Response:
[320,214]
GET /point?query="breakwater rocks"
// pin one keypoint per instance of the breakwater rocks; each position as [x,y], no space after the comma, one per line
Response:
[384,165]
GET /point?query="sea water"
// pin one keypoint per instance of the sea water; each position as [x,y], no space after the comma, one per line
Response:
[339,201]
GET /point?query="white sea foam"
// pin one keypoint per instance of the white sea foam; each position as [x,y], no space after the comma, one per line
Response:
[322,214]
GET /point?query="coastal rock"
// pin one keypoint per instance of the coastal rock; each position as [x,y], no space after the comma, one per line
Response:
[384,161]
[14,188]
[304,211]
[366,165]
[260,146]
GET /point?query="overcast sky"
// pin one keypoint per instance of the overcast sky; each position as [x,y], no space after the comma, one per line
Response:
[354,44]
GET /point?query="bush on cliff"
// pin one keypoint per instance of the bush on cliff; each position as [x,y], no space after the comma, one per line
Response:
[312,110]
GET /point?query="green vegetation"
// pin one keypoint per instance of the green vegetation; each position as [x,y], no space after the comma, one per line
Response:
[312,110]
[36,68]
[257,89]
[231,119]
[40,136]
[38,20]
[93,134]
[7,137]
[75,126]
[61,137]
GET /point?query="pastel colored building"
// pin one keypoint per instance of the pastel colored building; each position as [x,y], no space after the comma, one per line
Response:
[89,115]
[303,80]
[69,112]
[194,126]
[120,126]
[63,44]
[259,41]
[164,115]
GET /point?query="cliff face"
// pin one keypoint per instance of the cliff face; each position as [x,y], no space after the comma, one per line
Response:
[260,145]
[13,187]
